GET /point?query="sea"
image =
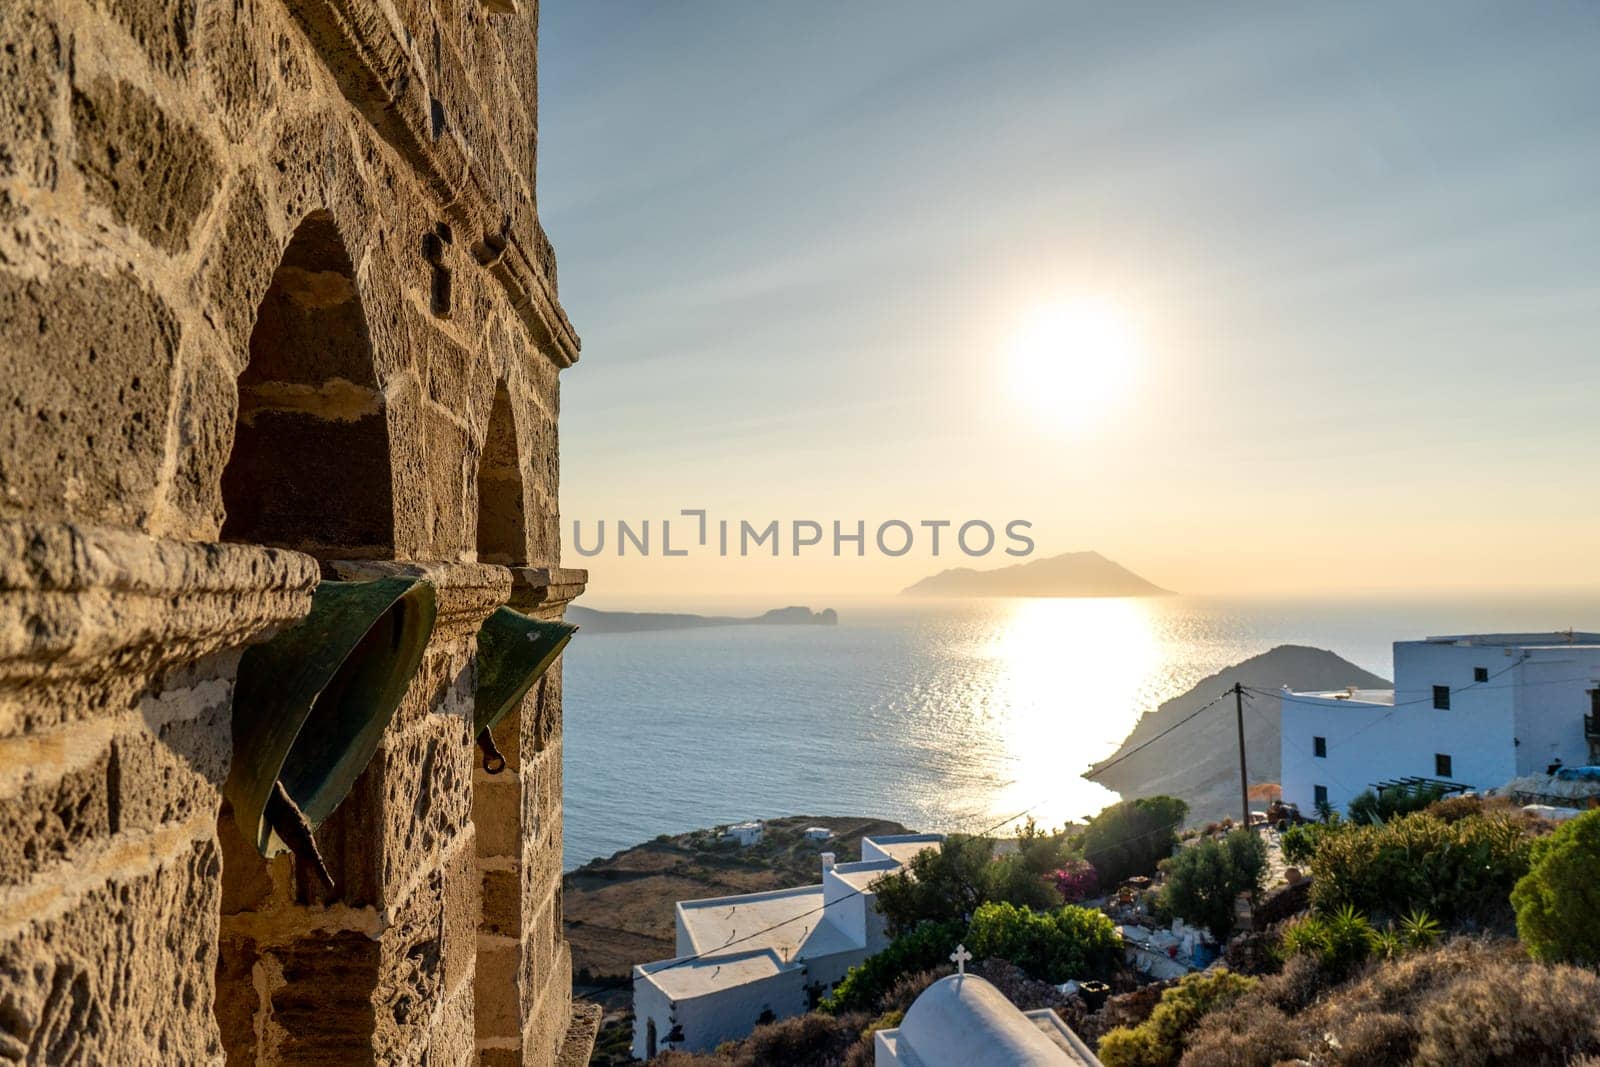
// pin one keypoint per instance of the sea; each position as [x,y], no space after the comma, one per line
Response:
[942,715]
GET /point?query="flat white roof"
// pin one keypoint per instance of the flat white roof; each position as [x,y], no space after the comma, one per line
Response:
[861,874]
[1563,638]
[1381,697]
[688,977]
[789,921]
[903,848]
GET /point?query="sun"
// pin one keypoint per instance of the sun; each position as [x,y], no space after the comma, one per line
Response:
[1073,360]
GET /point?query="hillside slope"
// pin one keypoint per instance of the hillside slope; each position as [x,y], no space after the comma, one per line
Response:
[1199,761]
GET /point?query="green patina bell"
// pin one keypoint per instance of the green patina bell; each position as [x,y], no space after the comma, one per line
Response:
[514,651]
[311,705]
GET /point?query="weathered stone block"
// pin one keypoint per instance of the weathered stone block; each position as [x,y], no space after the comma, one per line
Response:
[44,822]
[497,813]
[83,431]
[32,69]
[122,974]
[164,29]
[236,46]
[502,902]
[320,1003]
[154,172]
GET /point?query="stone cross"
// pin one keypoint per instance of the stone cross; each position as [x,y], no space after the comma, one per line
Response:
[960,958]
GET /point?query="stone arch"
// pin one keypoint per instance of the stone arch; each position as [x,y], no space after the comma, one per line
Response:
[309,470]
[310,465]
[502,506]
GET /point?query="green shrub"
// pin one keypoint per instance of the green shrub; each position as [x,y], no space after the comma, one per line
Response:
[1299,842]
[1558,901]
[944,884]
[1204,879]
[1131,837]
[922,949]
[1456,871]
[1054,946]
[1159,1040]
[1386,805]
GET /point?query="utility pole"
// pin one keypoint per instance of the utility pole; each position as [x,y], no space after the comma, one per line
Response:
[1244,779]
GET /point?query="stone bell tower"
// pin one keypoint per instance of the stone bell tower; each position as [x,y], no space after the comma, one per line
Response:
[276,311]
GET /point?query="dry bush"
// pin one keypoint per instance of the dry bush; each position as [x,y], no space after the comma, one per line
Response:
[1028,994]
[1295,987]
[1471,1002]
[1244,1034]
[1532,1016]
[813,1040]
[1454,809]
[1381,1037]
[907,988]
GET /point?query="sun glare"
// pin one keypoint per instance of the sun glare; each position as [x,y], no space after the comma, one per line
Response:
[1073,359]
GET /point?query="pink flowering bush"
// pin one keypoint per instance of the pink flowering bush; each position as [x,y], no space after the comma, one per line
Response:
[1077,880]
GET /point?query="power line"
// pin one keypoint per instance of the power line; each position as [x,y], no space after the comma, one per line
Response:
[1113,761]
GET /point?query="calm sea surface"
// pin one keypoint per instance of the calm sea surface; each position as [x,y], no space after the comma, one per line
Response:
[942,715]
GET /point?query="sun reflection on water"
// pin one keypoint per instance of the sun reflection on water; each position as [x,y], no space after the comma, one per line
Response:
[1065,674]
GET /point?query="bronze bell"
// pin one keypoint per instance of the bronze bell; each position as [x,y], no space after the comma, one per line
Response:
[311,705]
[514,651]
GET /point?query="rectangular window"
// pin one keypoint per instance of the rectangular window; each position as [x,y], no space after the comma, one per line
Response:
[1441,697]
[1441,765]
[1480,674]
[1319,746]
[1320,794]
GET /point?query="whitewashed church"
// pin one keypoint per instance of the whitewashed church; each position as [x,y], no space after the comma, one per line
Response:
[753,958]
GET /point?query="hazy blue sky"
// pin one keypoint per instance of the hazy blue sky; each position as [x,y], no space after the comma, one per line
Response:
[1358,246]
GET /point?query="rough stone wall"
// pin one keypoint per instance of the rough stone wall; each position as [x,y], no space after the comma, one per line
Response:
[271,274]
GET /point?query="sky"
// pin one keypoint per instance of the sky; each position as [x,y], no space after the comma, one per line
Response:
[1267,299]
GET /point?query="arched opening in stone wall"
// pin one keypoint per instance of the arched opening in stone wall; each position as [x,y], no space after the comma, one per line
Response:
[310,462]
[502,524]
[310,471]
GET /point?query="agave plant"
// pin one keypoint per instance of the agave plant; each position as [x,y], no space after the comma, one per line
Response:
[1420,930]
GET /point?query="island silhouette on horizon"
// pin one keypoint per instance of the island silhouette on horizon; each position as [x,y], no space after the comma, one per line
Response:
[1071,574]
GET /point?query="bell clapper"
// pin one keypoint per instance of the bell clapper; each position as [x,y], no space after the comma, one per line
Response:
[493,761]
[290,824]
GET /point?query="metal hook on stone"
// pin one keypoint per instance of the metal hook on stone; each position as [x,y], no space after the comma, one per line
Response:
[493,761]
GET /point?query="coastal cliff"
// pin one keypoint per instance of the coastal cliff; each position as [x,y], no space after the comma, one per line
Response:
[618,622]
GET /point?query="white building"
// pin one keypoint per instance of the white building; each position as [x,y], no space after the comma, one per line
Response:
[963,1021]
[745,959]
[1476,710]
[817,833]
[747,833]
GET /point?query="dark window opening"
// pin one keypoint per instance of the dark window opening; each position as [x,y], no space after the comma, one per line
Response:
[1319,794]
[1480,674]
[1319,746]
[502,521]
[309,468]
[1441,765]
[1441,697]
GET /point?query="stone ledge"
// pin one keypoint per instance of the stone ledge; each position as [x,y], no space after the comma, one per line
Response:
[546,587]
[466,593]
[582,1031]
[98,609]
